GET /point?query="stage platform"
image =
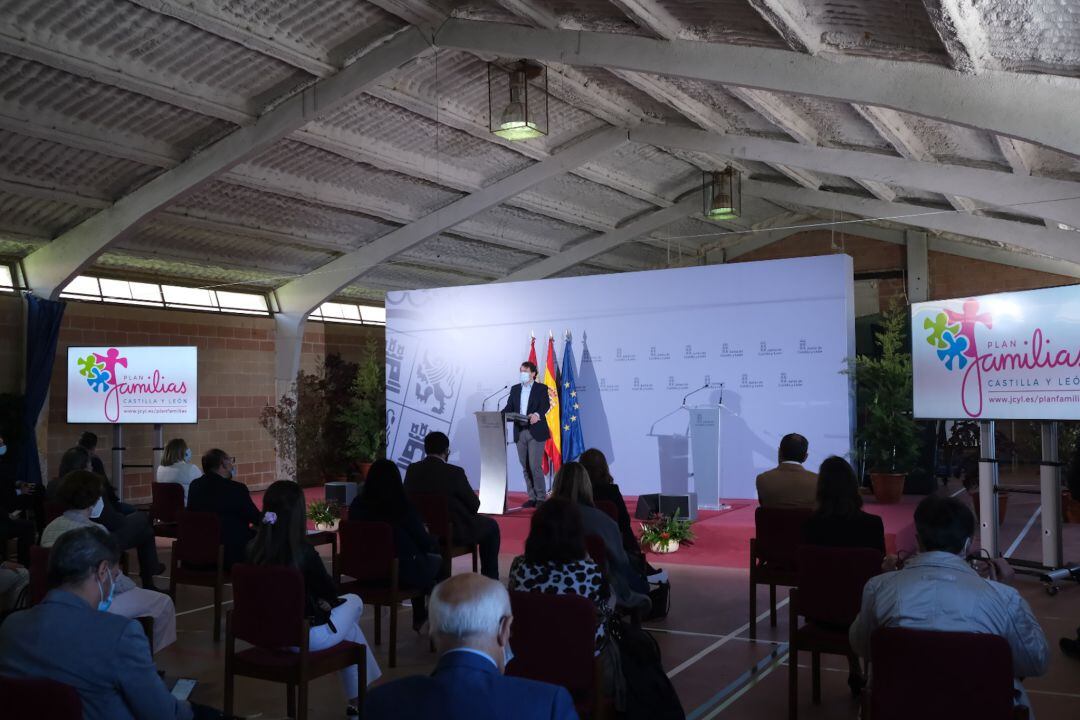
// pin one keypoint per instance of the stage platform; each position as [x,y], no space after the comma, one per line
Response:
[723,538]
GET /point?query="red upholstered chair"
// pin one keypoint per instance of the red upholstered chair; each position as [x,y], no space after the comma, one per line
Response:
[39,573]
[554,637]
[829,594]
[983,690]
[369,557]
[609,509]
[39,699]
[435,512]
[198,558]
[778,536]
[167,501]
[53,510]
[268,612]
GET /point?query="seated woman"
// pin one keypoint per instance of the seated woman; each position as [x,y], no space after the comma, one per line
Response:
[176,466]
[81,493]
[839,521]
[282,540]
[383,499]
[631,587]
[605,489]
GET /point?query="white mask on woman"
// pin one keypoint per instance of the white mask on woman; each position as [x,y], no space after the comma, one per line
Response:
[97,508]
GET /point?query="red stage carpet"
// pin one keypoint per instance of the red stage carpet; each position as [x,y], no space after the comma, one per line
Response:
[722,538]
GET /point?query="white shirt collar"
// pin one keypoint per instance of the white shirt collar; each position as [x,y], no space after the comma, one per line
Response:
[790,462]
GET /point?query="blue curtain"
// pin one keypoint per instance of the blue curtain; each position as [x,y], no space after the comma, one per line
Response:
[42,331]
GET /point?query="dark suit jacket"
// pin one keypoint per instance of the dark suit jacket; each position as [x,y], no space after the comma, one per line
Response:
[861,530]
[105,657]
[539,403]
[231,500]
[466,686]
[432,476]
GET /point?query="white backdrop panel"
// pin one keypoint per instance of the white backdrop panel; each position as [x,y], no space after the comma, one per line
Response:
[776,333]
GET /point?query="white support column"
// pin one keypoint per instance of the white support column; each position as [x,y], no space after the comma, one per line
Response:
[988,482]
[50,268]
[918,266]
[1050,494]
[288,346]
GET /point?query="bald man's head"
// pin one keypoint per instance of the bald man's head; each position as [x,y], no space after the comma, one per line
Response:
[470,610]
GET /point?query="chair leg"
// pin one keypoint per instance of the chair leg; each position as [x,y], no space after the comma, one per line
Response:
[378,624]
[753,610]
[230,681]
[290,700]
[302,701]
[218,591]
[772,605]
[815,677]
[393,633]
[475,559]
[793,683]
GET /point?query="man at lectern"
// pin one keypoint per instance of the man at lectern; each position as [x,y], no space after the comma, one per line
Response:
[530,398]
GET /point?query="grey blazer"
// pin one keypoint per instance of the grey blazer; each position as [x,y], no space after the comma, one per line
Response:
[105,657]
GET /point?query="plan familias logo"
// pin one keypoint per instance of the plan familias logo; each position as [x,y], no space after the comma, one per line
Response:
[108,374]
[952,334]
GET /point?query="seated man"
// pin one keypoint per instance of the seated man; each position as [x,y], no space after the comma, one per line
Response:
[789,484]
[434,475]
[470,625]
[104,657]
[217,492]
[938,590]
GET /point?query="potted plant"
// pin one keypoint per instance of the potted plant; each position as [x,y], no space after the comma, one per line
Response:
[663,534]
[297,423]
[888,436]
[364,414]
[325,515]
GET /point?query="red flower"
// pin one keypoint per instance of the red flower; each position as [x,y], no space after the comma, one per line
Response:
[665,536]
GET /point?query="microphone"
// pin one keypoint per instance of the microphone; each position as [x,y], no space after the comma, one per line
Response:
[695,392]
[483,405]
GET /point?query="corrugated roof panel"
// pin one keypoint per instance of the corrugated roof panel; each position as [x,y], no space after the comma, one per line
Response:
[893,29]
[587,198]
[212,275]
[41,218]
[524,228]
[455,252]
[661,171]
[1037,36]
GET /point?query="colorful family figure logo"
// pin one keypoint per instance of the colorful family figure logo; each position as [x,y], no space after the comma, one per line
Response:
[952,334]
[100,370]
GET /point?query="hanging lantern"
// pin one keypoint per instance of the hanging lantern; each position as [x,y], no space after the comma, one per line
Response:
[518,101]
[721,194]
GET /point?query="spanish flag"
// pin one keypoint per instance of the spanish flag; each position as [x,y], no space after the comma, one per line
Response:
[553,447]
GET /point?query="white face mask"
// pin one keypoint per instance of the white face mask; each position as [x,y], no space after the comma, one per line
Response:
[187,455]
[97,509]
[526,378]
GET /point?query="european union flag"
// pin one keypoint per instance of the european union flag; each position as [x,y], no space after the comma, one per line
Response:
[572,442]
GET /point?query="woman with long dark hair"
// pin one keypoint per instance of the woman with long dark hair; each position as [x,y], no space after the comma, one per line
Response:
[383,499]
[282,540]
[839,520]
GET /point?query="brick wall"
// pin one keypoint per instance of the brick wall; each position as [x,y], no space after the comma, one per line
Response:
[12,315]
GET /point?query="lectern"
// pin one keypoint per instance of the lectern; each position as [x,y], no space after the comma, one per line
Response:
[705,455]
[491,430]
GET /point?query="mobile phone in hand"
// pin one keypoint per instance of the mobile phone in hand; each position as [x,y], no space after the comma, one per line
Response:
[182,689]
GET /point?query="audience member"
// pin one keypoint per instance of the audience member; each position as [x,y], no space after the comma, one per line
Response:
[217,492]
[789,484]
[938,590]
[14,580]
[88,441]
[103,656]
[839,520]
[14,497]
[382,499]
[282,540]
[470,626]
[572,483]
[605,489]
[555,562]
[80,492]
[176,466]
[73,459]
[434,475]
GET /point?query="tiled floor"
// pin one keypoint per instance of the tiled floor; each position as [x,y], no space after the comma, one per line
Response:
[704,641]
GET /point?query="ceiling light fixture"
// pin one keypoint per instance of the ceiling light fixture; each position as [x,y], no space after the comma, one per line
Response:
[721,194]
[525,115]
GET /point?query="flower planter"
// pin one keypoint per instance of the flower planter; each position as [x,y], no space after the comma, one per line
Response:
[667,546]
[327,527]
[888,487]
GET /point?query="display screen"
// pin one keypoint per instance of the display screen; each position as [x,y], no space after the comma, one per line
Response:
[147,385]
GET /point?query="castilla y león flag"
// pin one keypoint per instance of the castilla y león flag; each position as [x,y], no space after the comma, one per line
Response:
[553,447]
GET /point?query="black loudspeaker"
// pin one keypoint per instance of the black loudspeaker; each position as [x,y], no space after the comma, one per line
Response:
[341,493]
[648,505]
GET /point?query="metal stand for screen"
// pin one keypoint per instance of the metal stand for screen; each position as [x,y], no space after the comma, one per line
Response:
[118,449]
[1052,569]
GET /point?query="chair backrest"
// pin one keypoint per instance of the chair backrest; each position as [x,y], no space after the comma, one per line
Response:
[367,550]
[831,581]
[39,573]
[554,637]
[609,509]
[778,534]
[198,536]
[40,699]
[53,510]
[167,500]
[268,605]
[594,545]
[984,688]
[435,511]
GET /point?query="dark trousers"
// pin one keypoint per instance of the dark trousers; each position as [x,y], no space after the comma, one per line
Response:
[531,455]
[420,572]
[488,539]
[23,531]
